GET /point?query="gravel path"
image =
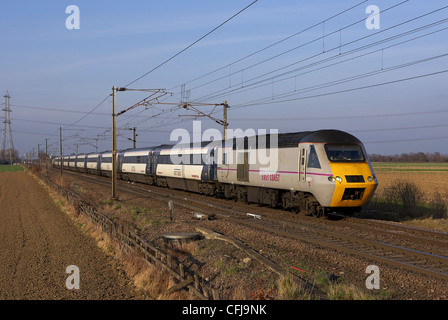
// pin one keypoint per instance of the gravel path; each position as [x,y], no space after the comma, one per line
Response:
[38,242]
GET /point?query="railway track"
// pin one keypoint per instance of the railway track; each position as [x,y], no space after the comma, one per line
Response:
[415,260]
[415,234]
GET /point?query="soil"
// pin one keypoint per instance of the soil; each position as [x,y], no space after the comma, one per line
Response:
[37,244]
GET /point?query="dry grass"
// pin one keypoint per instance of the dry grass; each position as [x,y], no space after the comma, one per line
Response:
[288,289]
[240,293]
[347,292]
[440,225]
[61,181]
[262,292]
[151,280]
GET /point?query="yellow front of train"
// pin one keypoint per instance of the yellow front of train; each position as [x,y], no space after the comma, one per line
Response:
[353,175]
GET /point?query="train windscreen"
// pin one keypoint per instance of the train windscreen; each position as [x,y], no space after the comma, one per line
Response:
[344,153]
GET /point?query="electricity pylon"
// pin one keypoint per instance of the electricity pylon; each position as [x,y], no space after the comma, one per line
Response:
[7,131]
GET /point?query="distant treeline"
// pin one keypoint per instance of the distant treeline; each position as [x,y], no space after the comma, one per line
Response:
[410,157]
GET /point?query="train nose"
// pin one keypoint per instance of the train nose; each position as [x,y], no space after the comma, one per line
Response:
[354,184]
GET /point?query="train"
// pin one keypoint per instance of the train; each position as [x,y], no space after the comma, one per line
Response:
[315,172]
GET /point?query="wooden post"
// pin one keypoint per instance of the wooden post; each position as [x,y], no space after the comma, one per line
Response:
[171,207]
[181,270]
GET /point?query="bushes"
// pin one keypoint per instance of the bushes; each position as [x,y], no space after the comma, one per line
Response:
[437,207]
[36,169]
[404,200]
[406,197]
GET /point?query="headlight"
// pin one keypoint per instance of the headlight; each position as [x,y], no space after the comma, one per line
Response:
[331,179]
[369,178]
[338,179]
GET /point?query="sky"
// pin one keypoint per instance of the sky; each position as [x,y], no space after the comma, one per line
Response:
[281,65]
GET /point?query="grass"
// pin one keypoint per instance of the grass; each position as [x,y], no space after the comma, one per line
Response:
[137,216]
[11,168]
[410,166]
[288,289]
[337,289]
[228,268]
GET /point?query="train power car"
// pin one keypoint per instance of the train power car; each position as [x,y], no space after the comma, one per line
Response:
[317,172]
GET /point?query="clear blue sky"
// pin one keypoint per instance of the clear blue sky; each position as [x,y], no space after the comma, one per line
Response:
[354,79]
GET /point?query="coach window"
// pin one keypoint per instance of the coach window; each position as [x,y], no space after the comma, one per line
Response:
[313,160]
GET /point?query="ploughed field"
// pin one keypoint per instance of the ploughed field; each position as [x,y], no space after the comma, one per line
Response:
[38,242]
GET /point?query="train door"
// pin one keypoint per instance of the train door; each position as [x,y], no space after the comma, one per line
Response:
[149,161]
[242,166]
[212,165]
[154,162]
[215,163]
[302,162]
[119,162]
[225,161]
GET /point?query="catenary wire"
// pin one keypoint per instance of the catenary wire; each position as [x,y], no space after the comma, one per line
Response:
[190,45]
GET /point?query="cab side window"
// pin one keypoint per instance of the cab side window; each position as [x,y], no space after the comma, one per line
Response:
[313,160]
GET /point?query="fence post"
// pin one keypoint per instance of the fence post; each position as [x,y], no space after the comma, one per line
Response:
[171,207]
[181,270]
